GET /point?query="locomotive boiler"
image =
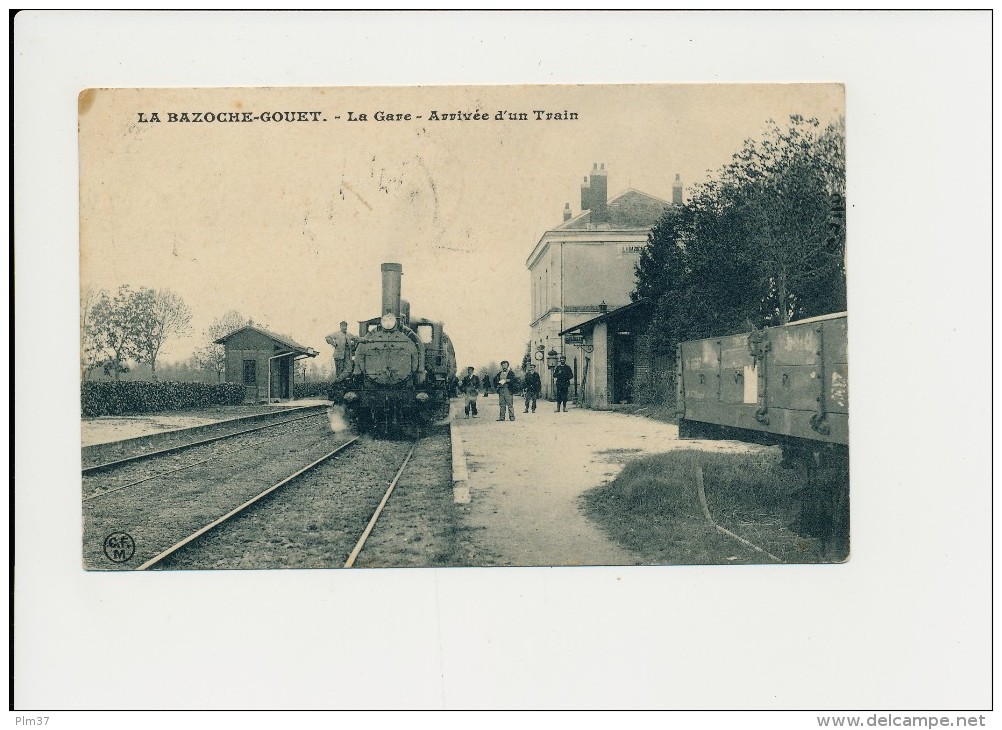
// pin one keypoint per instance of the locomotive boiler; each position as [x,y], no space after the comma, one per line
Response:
[403,367]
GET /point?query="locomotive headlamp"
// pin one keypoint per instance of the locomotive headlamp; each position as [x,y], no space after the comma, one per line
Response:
[388,321]
[350,396]
[423,397]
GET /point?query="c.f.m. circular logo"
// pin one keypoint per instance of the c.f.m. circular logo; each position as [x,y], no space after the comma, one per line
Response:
[119,547]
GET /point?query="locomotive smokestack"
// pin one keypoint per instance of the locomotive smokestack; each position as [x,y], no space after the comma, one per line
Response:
[391,288]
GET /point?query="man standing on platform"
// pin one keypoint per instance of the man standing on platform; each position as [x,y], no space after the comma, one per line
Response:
[562,375]
[470,388]
[532,387]
[343,344]
[505,383]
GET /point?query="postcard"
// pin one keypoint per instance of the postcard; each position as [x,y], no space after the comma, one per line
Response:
[463,326]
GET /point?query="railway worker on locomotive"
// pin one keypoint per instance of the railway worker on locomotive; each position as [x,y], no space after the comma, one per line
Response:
[344,345]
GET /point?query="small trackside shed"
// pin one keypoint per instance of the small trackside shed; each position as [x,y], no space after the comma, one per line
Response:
[615,364]
[263,362]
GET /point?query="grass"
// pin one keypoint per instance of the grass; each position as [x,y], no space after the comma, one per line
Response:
[662,413]
[652,507]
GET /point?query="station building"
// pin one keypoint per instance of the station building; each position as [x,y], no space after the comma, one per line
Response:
[263,362]
[585,268]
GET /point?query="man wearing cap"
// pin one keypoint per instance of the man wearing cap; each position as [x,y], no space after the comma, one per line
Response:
[505,383]
[562,375]
[532,385]
[343,344]
[470,388]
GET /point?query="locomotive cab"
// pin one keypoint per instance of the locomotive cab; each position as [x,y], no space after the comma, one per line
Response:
[440,357]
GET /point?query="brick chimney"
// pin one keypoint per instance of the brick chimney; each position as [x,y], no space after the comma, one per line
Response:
[567,211]
[585,195]
[599,195]
[676,190]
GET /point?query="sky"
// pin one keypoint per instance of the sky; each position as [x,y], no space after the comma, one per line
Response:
[288,222]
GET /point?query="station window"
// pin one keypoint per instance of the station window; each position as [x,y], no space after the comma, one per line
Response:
[250,372]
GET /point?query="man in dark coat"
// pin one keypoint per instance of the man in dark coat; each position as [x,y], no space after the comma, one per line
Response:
[471,389]
[562,375]
[532,385]
[505,383]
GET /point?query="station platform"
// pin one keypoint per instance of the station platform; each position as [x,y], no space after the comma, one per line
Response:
[107,429]
[523,479]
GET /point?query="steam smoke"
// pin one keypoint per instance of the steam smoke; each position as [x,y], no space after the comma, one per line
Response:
[335,414]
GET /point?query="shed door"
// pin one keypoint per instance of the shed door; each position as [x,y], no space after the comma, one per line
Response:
[281,377]
[623,368]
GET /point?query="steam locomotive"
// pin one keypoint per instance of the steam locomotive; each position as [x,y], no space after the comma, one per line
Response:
[403,367]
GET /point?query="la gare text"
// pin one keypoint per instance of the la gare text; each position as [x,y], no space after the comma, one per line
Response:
[286,117]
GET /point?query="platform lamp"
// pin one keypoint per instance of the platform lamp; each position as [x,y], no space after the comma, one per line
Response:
[551,362]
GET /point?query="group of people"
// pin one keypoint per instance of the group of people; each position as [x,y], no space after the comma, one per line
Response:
[506,384]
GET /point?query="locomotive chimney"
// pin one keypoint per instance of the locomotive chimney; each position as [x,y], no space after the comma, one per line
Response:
[391,288]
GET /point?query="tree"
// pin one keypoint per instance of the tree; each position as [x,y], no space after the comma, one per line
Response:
[786,187]
[212,357]
[488,371]
[762,243]
[158,314]
[111,331]
[90,349]
[695,270]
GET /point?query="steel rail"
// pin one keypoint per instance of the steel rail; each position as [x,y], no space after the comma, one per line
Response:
[379,510]
[253,500]
[95,495]
[174,449]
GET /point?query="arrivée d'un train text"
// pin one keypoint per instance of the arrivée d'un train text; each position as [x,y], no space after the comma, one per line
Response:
[501,115]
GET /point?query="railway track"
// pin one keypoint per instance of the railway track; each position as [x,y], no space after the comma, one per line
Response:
[324,521]
[217,511]
[110,465]
[136,470]
[162,556]
[156,502]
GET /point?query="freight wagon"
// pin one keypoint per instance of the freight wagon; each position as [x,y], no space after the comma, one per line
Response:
[786,386]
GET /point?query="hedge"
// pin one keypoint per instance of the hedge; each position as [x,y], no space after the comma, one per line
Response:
[311,390]
[116,398]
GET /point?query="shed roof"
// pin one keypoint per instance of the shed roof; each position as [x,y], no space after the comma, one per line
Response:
[606,316]
[280,339]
